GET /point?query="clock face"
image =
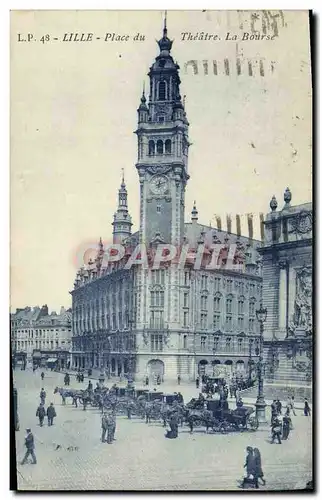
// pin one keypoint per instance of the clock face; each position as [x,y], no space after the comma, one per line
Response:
[159,184]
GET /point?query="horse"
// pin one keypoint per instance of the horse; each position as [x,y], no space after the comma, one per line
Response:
[68,393]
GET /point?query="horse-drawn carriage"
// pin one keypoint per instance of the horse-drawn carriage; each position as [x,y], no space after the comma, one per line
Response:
[217,416]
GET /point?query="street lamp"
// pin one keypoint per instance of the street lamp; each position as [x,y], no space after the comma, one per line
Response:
[260,404]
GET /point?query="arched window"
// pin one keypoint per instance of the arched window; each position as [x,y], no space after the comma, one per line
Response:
[160,147]
[168,146]
[162,91]
[151,148]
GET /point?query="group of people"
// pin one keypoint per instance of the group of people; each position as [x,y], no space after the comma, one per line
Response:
[108,427]
[156,379]
[41,413]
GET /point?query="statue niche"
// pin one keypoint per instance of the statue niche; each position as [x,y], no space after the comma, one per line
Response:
[303,301]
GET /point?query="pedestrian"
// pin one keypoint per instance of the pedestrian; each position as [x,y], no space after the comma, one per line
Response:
[174,425]
[276,430]
[180,398]
[114,424]
[110,427]
[307,409]
[179,379]
[279,407]
[42,396]
[40,413]
[258,466]
[30,445]
[292,404]
[250,466]
[273,411]
[104,427]
[197,383]
[286,426]
[66,379]
[42,375]
[90,386]
[51,414]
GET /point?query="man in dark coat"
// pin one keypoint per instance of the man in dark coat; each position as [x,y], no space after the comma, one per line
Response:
[174,425]
[179,380]
[30,445]
[197,383]
[286,426]
[51,414]
[42,375]
[307,409]
[67,379]
[276,430]
[279,407]
[90,386]
[42,396]
[250,465]
[110,428]
[40,413]
[104,427]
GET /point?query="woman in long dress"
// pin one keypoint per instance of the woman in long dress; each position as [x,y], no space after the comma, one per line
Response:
[258,465]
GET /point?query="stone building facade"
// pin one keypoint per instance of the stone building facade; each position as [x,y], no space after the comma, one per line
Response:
[171,320]
[287,291]
[34,329]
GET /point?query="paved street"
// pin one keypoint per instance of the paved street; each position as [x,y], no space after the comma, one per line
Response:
[141,458]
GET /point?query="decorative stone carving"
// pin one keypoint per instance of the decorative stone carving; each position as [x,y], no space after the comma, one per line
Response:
[158,169]
[302,223]
[273,203]
[303,299]
[145,337]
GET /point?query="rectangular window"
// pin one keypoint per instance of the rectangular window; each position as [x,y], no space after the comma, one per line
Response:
[158,209]
[240,307]
[228,344]
[216,323]
[156,319]
[185,341]
[156,342]
[186,299]
[185,318]
[186,278]
[229,323]
[251,324]
[203,342]
[203,321]
[216,344]
[229,285]
[240,323]
[217,304]
[240,345]
[204,302]
[252,308]
[216,284]
[229,306]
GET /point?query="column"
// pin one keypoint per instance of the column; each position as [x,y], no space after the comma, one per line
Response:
[282,299]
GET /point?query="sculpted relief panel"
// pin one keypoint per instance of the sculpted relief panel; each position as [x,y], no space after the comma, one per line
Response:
[303,301]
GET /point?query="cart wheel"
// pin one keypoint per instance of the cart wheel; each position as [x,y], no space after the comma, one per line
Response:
[252,423]
[223,427]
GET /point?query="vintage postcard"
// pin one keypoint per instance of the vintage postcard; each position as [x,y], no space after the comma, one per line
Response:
[161,250]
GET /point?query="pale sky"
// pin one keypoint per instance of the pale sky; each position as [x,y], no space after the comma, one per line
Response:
[73,113]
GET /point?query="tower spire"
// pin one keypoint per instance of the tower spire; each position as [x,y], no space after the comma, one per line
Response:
[165,31]
[122,220]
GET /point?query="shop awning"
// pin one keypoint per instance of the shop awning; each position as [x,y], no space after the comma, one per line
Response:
[51,360]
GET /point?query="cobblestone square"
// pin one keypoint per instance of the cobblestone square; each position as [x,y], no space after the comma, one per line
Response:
[141,458]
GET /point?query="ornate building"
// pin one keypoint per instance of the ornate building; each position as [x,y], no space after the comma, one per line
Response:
[287,290]
[35,330]
[173,319]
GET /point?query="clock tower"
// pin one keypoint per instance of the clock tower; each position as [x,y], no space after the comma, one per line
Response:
[162,152]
